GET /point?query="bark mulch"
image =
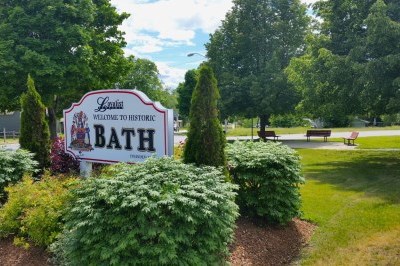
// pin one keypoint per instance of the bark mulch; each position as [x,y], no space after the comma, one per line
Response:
[255,244]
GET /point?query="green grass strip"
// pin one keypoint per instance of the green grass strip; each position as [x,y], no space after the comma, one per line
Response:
[354,198]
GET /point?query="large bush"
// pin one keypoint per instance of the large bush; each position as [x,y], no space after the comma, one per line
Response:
[13,164]
[161,212]
[34,210]
[287,120]
[268,175]
[60,161]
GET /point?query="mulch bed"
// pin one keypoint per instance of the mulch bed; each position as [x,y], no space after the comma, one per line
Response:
[11,255]
[255,244]
[258,244]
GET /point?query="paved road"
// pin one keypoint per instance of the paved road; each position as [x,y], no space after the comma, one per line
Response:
[302,137]
[299,140]
[293,140]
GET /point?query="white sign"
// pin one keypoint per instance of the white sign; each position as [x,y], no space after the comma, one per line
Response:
[110,126]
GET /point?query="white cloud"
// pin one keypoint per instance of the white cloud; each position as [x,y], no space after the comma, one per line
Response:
[171,20]
[171,76]
[157,24]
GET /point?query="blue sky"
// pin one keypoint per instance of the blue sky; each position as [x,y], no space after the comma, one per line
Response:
[165,31]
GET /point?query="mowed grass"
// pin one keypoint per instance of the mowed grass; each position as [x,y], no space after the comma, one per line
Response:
[8,140]
[379,142]
[354,198]
[384,142]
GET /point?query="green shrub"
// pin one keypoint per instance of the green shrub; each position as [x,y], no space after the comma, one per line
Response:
[13,164]
[161,212]
[268,175]
[34,210]
[391,119]
[287,120]
[178,150]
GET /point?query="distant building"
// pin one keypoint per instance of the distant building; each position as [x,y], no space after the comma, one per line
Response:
[357,122]
[11,121]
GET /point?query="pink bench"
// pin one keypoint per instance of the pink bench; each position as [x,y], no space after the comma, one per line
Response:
[352,137]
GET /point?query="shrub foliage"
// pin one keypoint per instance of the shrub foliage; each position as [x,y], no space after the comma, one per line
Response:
[60,161]
[268,175]
[34,210]
[35,134]
[13,164]
[161,212]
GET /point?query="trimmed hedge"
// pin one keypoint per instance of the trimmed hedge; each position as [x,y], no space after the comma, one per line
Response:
[268,175]
[161,212]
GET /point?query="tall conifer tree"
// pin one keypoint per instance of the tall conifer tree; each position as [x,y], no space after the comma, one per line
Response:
[35,134]
[206,140]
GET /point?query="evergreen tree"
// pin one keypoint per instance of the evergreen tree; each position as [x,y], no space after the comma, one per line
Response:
[185,91]
[205,140]
[35,134]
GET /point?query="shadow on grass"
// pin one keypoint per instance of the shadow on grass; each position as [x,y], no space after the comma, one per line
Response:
[375,173]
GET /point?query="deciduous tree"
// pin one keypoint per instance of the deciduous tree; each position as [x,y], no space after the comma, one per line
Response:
[143,75]
[185,91]
[69,48]
[249,53]
[351,65]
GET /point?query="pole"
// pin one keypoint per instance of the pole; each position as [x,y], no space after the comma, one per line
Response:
[4,134]
[85,169]
[251,129]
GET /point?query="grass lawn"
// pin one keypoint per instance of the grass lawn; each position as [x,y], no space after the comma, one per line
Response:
[381,142]
[240,131]
[9,141]
[384,142]
[354,198]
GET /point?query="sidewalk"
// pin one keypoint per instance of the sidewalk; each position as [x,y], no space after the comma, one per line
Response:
[299,141]
[292,140]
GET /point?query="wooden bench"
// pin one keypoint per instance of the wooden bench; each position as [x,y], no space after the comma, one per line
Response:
[267,134]
[318,133]
[352,138]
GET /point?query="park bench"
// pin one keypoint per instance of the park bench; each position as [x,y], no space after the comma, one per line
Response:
[318,133]
[267,134]
[352,138]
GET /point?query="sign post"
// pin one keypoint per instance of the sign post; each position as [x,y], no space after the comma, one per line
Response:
[110,126]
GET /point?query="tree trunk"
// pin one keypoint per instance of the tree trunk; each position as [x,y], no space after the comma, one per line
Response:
[52,122]
[53,118]
[263,122]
